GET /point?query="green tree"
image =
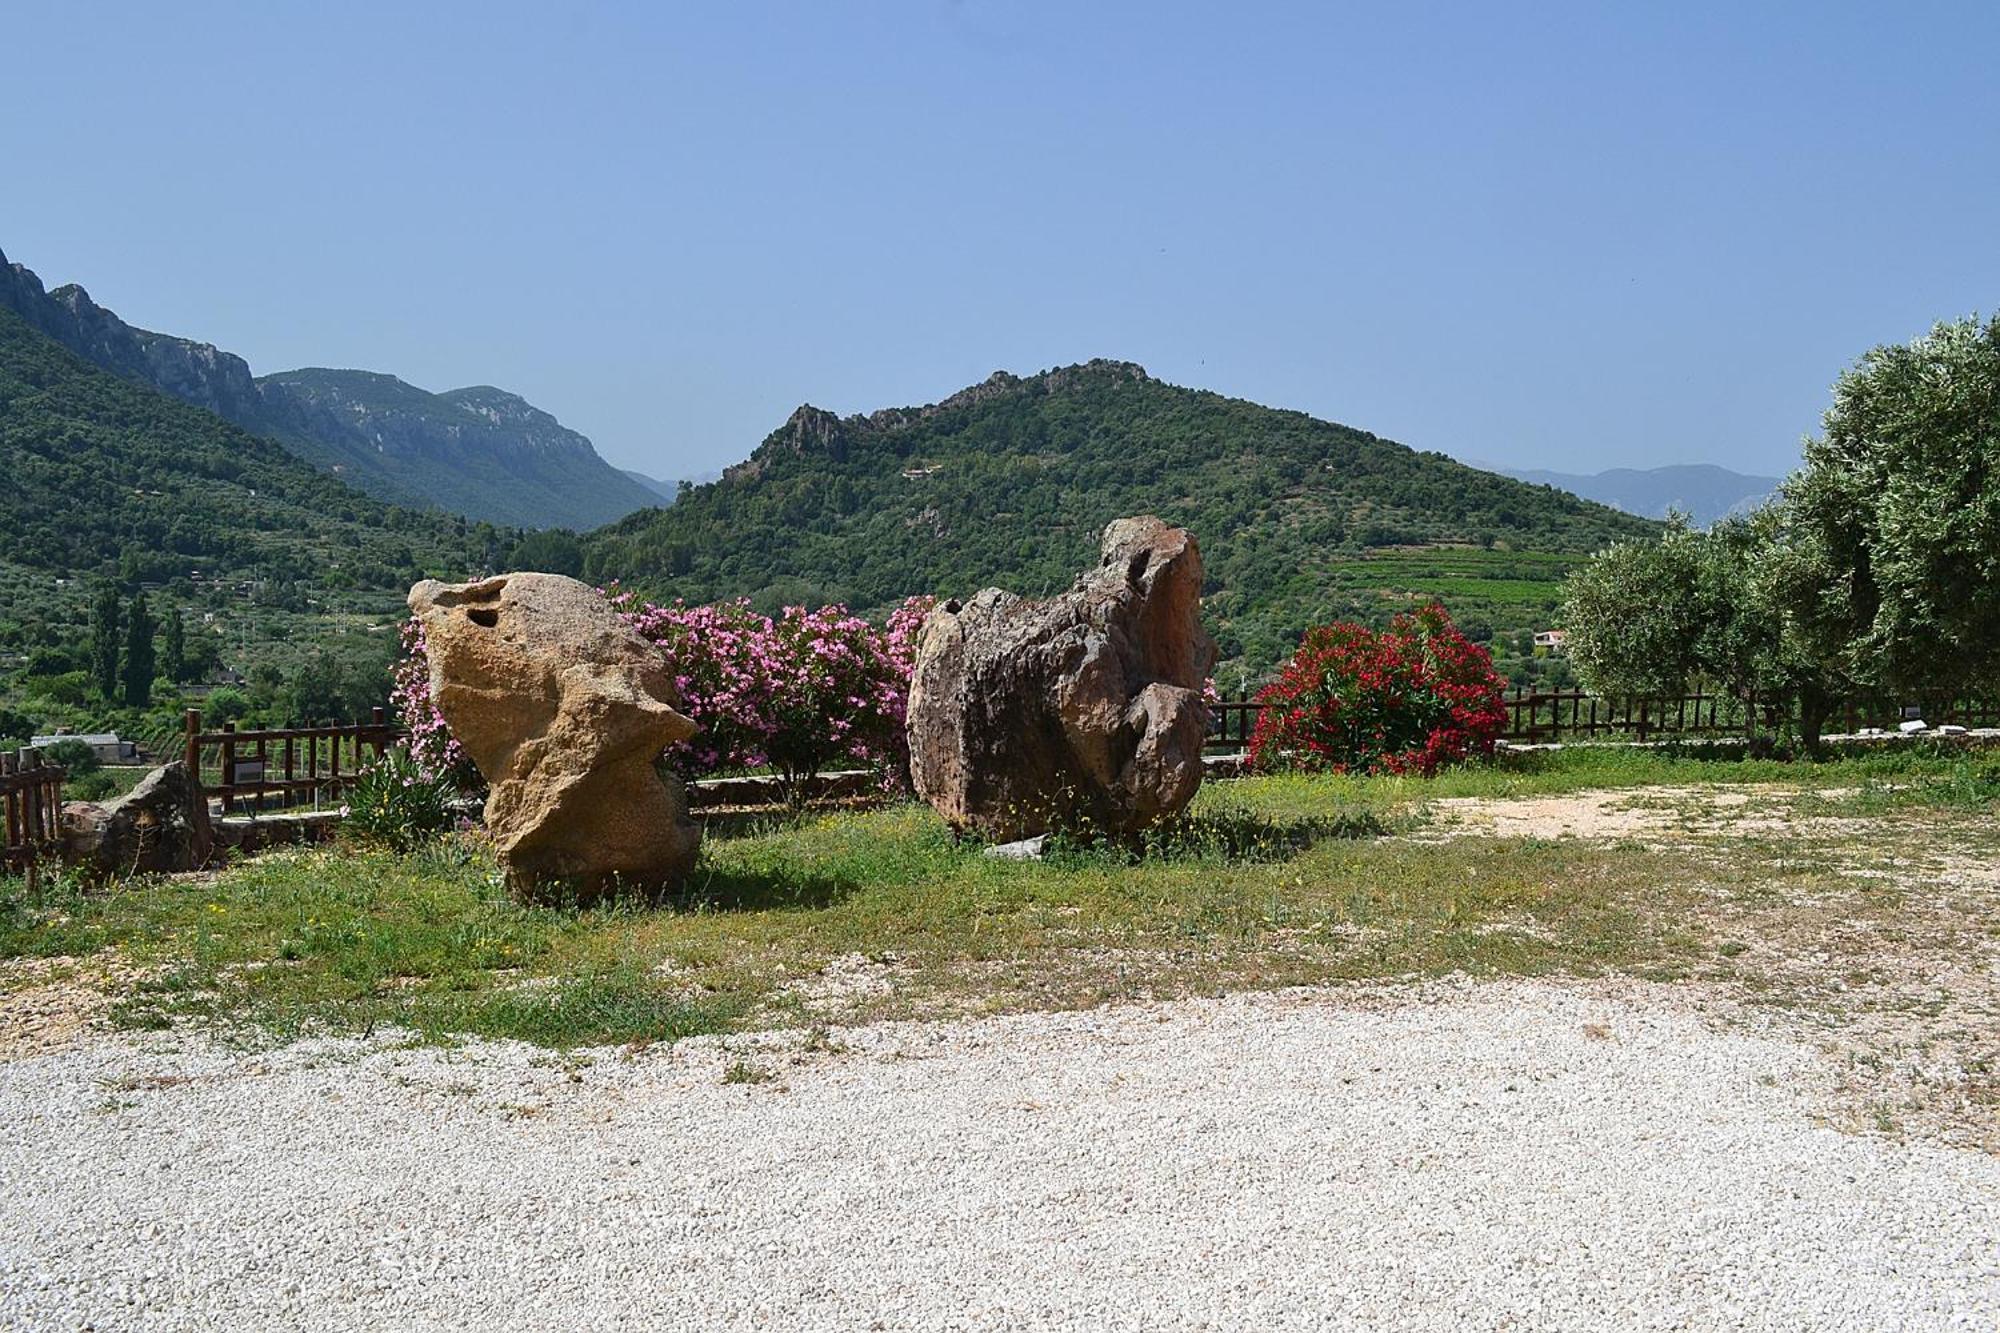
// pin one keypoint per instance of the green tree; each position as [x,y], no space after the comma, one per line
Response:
[550,551]
[1633,615]
[1887,561]
[1654,618]
[173,647]
[139,656]
[105,617]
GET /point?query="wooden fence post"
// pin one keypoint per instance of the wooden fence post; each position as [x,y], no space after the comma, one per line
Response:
[228,769]
[27,760]
[191,724]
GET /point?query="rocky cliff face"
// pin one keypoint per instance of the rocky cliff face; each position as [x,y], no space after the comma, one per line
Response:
[480,452]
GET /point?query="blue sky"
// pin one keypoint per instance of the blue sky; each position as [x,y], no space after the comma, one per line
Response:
[1569,236]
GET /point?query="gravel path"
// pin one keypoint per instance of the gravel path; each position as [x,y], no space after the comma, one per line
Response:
[1508,1156]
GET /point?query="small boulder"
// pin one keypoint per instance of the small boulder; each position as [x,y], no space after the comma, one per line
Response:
[565,710]
[160,825]
[1084,711]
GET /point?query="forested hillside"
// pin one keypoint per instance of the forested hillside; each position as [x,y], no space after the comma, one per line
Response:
[275,577]
[1009,482]
[479,452]
[102,476]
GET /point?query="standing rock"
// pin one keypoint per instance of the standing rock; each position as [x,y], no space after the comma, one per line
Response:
[160,825]
[565,710]
[1084,711]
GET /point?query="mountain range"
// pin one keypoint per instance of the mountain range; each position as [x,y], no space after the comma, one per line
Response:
[480,452]
[1702,491]
[104,476]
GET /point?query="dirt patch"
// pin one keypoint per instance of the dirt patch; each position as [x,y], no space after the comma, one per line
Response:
[1871,933]
[844,984]
[1656,816]
[50,1004]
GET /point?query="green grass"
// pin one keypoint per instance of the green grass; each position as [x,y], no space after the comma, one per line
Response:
[1274,881]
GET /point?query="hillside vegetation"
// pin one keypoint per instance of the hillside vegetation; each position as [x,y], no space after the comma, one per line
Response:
[279,572]
[106,477]
[1010,481]
[479,452]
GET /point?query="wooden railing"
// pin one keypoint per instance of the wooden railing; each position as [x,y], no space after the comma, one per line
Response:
[277,767]
[1546,716]
[30,811]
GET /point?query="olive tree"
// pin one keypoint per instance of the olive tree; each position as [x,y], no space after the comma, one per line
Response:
[1653,618]
[1886,561]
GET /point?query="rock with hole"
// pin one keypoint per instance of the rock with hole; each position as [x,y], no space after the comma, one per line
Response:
[565,711]
[1082,712]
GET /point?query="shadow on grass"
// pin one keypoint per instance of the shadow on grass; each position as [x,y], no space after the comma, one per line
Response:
[1227,836]
[780,889]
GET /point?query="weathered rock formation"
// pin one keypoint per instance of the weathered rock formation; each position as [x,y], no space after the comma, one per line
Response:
[564,710]
[160,825]
[1084,711]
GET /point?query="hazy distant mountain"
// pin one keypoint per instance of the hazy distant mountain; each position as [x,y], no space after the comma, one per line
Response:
[1701,490]
[669,491]
[666,490]
[480,452]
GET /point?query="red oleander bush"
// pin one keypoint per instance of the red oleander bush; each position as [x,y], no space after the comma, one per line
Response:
[1409,699]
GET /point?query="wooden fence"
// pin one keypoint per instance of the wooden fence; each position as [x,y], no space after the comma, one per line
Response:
[1546,716]
[278,767]
[30,811]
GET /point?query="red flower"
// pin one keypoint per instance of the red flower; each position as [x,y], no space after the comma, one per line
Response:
[1409,699]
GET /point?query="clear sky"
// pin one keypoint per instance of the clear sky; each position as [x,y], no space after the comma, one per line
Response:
[1560,235]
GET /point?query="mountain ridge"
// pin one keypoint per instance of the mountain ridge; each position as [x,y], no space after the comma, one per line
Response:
[477,451]
[1705,492]
[112,478]
[1008,481]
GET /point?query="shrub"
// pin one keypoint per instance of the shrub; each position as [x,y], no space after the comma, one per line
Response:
[92,786]
[226,704]
[397,802]
[1406,700]
[431,748]
[76,757]
[797,694]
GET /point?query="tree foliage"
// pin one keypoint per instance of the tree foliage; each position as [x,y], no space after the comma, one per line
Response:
[137,672]
[1887,564]
[106,614]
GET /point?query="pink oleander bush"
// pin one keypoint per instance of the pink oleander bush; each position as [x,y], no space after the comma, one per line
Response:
[433,750]
[804,692]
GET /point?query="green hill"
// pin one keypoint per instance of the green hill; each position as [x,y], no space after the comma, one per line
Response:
[1009,482]
[281,574]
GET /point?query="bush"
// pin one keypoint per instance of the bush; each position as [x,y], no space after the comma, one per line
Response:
[1406,700]
[435,752]
[92,786]
[76,757]
[227,704]
[800,693]
[395,801]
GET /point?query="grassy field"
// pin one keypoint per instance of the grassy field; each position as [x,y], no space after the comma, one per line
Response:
[1272,882]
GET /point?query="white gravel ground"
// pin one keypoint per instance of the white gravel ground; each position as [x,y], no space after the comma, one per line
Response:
[1519,1156]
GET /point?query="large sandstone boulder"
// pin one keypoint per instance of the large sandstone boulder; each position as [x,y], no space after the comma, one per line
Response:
[564,709]
[160,825]
[1084,711]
